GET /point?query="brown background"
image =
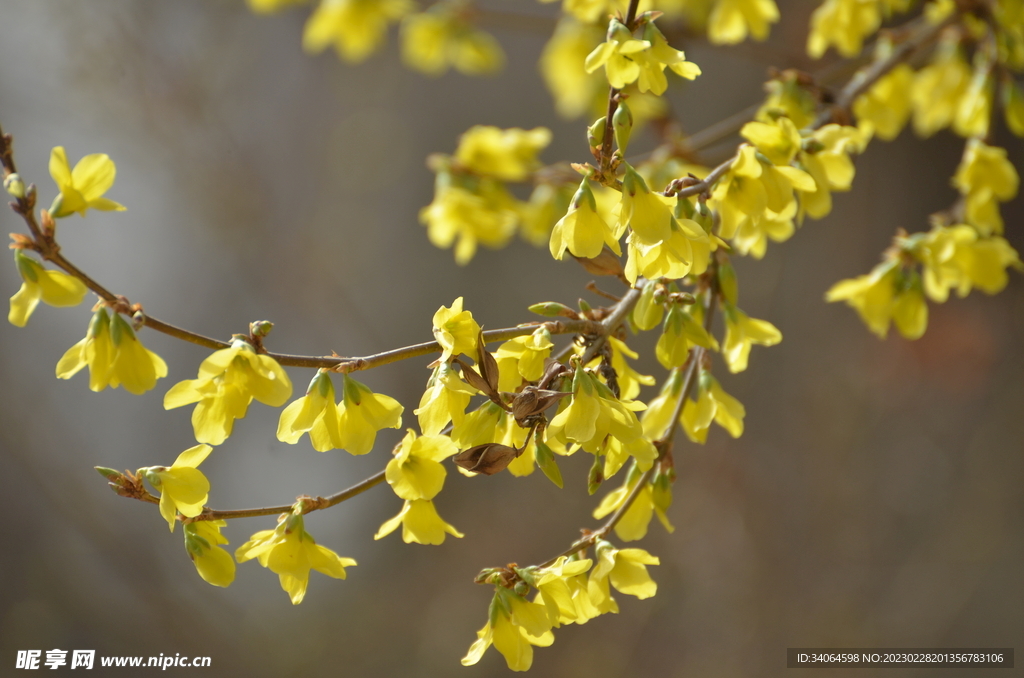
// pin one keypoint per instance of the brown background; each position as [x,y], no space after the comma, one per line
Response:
[875,499]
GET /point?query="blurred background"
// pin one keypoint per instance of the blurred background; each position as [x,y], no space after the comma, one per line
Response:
[875,500]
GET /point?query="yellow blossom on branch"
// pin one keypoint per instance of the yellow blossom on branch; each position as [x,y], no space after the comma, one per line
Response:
[561,64]
[228,381]
[732,20]
[421,524]
[215,565]
[529,352]
[595,413]
[887,294]
[957,257]
[885,108]
[456,331]
[416,471]
[985,177]
[514,626]
[355,28]
[114,355]
[505,154]
[290,552]
[445,400]
[582,230]
[741,332]
[486,215]
[182,487]
[55,288]
[350,425]
[625,569]
[82,187]
[440,38]
[712,404]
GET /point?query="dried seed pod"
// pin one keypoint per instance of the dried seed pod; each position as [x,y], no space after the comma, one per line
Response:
[489,458]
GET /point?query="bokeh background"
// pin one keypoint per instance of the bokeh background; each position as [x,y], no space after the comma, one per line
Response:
[875,500]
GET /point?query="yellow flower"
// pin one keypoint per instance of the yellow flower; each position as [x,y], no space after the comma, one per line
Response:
[582,230]
[505,154]
[713,404]
[456,331]
[114,356]
[939,88]
[561,64]
[779,142]
[416,472]
[885,108]
[740,192]
[626,569]
[654,60]
[741,332]
[647,213]
[556,591]
[529,352]
[593,414]
[658,414]
[84,186]
[985,176]
[290,552]
[732,20]
[752,234]
[686,250]
[844,24]
[829,164]
[514,626]
[228,381]
[437,39]
[681,333]
[619,55]
[182,487]
[478,427]
[215,565]
[53,287]
[634,523]
[886,294]
[629,379]
[957,257]
[420,524]
[268,6]
[975,106]
[445,399]
[354,27]
[486,215]
[350,425]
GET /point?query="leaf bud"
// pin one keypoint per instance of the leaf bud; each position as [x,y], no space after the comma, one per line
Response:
[110,474]
[260,328]
[14,185]
[622,125]
[138,320]
[552,309]
[595,133]
[596,475]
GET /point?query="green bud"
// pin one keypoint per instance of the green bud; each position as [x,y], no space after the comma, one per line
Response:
[352,393]
[261,328]
[727,283]
[595,133]
[622,125]
[26,267]
[648,312]
[522,588]
[552,309]
[109,473]
[56,206]
[14,185]
[584,306]
[138,320]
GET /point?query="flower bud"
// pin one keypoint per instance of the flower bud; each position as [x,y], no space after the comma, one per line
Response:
[622,125]
[261,328]
[14,185]
[595,133]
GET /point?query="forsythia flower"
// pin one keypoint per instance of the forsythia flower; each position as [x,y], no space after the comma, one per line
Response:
[582,230]
[420,524]
[290,552]
[561,64]
[732,20]
[416,472]
[52,287]
[713,404]
[456,331]
[647,213]
[556,592]
[505,154]
[625,569]
[843,23]
[228,381]
[350,425]
[885,108]
[939,89]
[975,108]
[487,216]
[886,294]
[182,487]
[619,55]
[680,334]
[436,39]
[215,565]
[267,6]
[686,250]
[654,60]
[354,27]
[779,142]
[986,178]
[445,399]
[114,356]
[529,352]
[957,257]
[633,524]
[741,332]
[829,165]
[629,379]
[594,413]
[84,186]
[514,626]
